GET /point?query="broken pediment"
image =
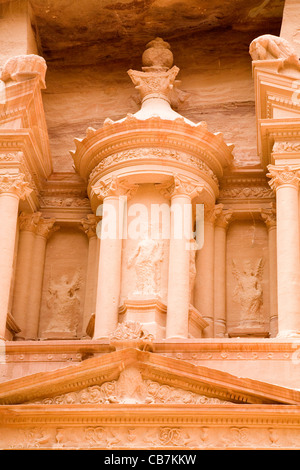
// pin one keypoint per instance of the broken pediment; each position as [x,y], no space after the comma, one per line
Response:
[131,376]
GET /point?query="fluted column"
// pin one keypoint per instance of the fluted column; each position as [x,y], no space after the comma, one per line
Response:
[204,292]
[269,217]
[113,194]
[285,180]
[181,192]
[89,226]
[44,229]
[23,280]
[221,224]
[12,189]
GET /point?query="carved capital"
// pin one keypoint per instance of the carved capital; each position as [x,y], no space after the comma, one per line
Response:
[180,186]
[89,225]
[29,222]
[212,213]
[24,67]
[280,176]
[45,227]
[14,184]
[223,217]
[114,188]
[154,83]
[269,217]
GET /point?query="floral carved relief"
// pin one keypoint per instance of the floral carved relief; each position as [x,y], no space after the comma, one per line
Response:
[131,388]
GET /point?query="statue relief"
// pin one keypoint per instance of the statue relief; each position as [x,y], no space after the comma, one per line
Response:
[249,292]
[63,303]
[146,260]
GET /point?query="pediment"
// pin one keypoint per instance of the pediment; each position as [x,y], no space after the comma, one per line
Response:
[131,376]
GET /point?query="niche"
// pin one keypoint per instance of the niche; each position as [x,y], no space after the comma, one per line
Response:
[64,285]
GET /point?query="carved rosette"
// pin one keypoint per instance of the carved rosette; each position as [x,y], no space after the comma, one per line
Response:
[180,186]
[283,176]
[114,188]
[14,184]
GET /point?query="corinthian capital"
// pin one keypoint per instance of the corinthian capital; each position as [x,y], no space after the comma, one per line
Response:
[222,217]
[45,227]
[28,222]
[114,187]
[14,184]
[212,213]
[269,216]
[180,186]
[285,175]
[89,225]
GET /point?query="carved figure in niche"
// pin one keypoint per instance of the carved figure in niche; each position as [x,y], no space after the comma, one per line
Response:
[63,303]
[147,259]
[248,291]
[269,47]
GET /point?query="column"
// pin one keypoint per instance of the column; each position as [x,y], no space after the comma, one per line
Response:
[45,228]
[113,194]
[204,291]
[285,180]
[13,187]
[23,281]
[221,225]
[269,217]
[89,226]
[181,192]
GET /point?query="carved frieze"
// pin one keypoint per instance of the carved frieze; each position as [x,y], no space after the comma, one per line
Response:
[246,192]
[223,436]
[152,154]
[64,202]
[286,146]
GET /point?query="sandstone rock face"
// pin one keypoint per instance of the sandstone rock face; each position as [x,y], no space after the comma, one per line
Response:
[90,45]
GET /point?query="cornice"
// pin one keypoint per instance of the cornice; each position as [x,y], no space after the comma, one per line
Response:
[23,124]
[133,133]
